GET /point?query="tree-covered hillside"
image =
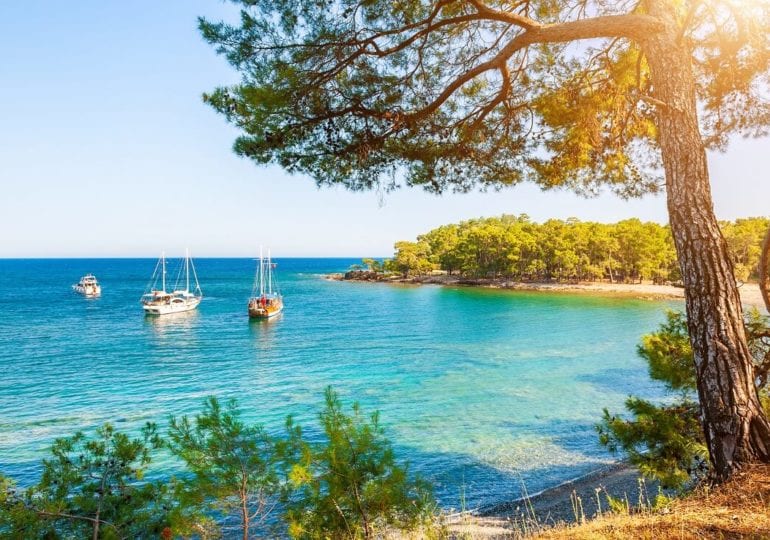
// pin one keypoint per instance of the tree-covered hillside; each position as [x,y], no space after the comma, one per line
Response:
[515,247]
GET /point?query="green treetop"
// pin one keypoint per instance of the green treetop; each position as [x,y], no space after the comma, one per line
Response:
[233,465]
[350,486]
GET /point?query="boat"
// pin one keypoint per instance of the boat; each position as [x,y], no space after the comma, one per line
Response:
[88,286]
[265,301]
[158,301]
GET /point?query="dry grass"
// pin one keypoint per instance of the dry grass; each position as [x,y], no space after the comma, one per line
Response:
[737,509]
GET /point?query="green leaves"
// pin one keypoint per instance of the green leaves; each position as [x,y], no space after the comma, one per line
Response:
[412,258]
[666,443]
[515,247]
[372,265]
[669,355]
[363,92]
[92,487]
[232,465]
[599,133]
[744,240]
[350,485]
[666,440]
[237,478]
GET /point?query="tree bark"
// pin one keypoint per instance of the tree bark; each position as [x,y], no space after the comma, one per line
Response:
[764,271]
[244,495]
[736,430]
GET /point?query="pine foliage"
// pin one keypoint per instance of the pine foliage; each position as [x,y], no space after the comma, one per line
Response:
[666,440]
[234,467]
[453,95]
[236,480]
[91,487]
[350,485]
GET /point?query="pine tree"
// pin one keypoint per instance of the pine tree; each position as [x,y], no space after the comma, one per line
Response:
[350,485]
[457,94]
[666,441]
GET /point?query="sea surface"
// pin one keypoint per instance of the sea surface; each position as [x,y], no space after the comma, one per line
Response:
[485,393]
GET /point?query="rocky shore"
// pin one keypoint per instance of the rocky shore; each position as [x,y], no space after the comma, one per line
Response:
[570,502]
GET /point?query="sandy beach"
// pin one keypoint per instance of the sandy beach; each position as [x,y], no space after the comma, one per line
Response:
[750,293]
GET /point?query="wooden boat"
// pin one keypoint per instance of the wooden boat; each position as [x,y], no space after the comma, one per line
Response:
[265,301]
[160,302]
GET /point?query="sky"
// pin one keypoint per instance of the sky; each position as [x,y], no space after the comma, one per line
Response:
[107,150]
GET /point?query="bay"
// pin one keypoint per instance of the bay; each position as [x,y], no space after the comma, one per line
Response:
[483,392]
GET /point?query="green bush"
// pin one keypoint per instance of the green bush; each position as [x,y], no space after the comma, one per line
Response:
[91,487]
[350,486]
[236,478]
[665,442]
[233,467]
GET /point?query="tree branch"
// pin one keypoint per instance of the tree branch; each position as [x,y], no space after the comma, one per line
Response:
[635,27]
[503,16]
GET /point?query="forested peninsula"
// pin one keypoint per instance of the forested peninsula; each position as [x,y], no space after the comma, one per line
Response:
[515,248]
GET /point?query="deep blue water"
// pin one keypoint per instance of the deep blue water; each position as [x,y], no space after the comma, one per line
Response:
[482,391]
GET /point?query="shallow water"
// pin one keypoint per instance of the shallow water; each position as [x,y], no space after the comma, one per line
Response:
[482,391]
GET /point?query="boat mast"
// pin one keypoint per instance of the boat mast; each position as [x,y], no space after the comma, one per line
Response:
[163,259]
[187,269]
[269,273]
[261,274]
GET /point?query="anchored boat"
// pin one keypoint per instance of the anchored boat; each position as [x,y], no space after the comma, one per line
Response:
[160,302]
[88,286]
[265,301]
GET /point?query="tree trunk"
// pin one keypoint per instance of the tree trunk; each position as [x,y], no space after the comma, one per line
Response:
[734,425]
[764,271]
[610,265]
[244,495]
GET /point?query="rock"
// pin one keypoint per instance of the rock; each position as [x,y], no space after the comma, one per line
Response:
[362,275]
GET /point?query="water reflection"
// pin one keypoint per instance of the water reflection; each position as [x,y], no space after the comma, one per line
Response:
[264,330]
[177,325]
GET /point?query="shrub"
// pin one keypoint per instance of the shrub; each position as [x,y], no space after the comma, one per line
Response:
[350,486]
[233,466]
[91,487]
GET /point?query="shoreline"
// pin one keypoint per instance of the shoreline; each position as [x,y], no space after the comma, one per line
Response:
[749,292]
[547,494]
[556,505]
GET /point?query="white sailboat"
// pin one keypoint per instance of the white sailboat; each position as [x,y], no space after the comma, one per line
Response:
[88,286]
[265,301]
[160,302]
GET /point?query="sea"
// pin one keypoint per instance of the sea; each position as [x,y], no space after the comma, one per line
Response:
[488,394]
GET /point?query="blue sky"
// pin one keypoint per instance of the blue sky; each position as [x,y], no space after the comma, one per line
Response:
[107,150]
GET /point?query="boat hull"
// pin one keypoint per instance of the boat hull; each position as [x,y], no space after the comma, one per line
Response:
[264,312]
[89,292]
[171,307]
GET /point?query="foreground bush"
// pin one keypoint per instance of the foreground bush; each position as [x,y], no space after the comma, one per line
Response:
[349,485]
[233,467]
[237,478]
[91,487]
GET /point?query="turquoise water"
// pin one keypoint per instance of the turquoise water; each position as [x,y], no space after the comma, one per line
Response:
[482,391]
